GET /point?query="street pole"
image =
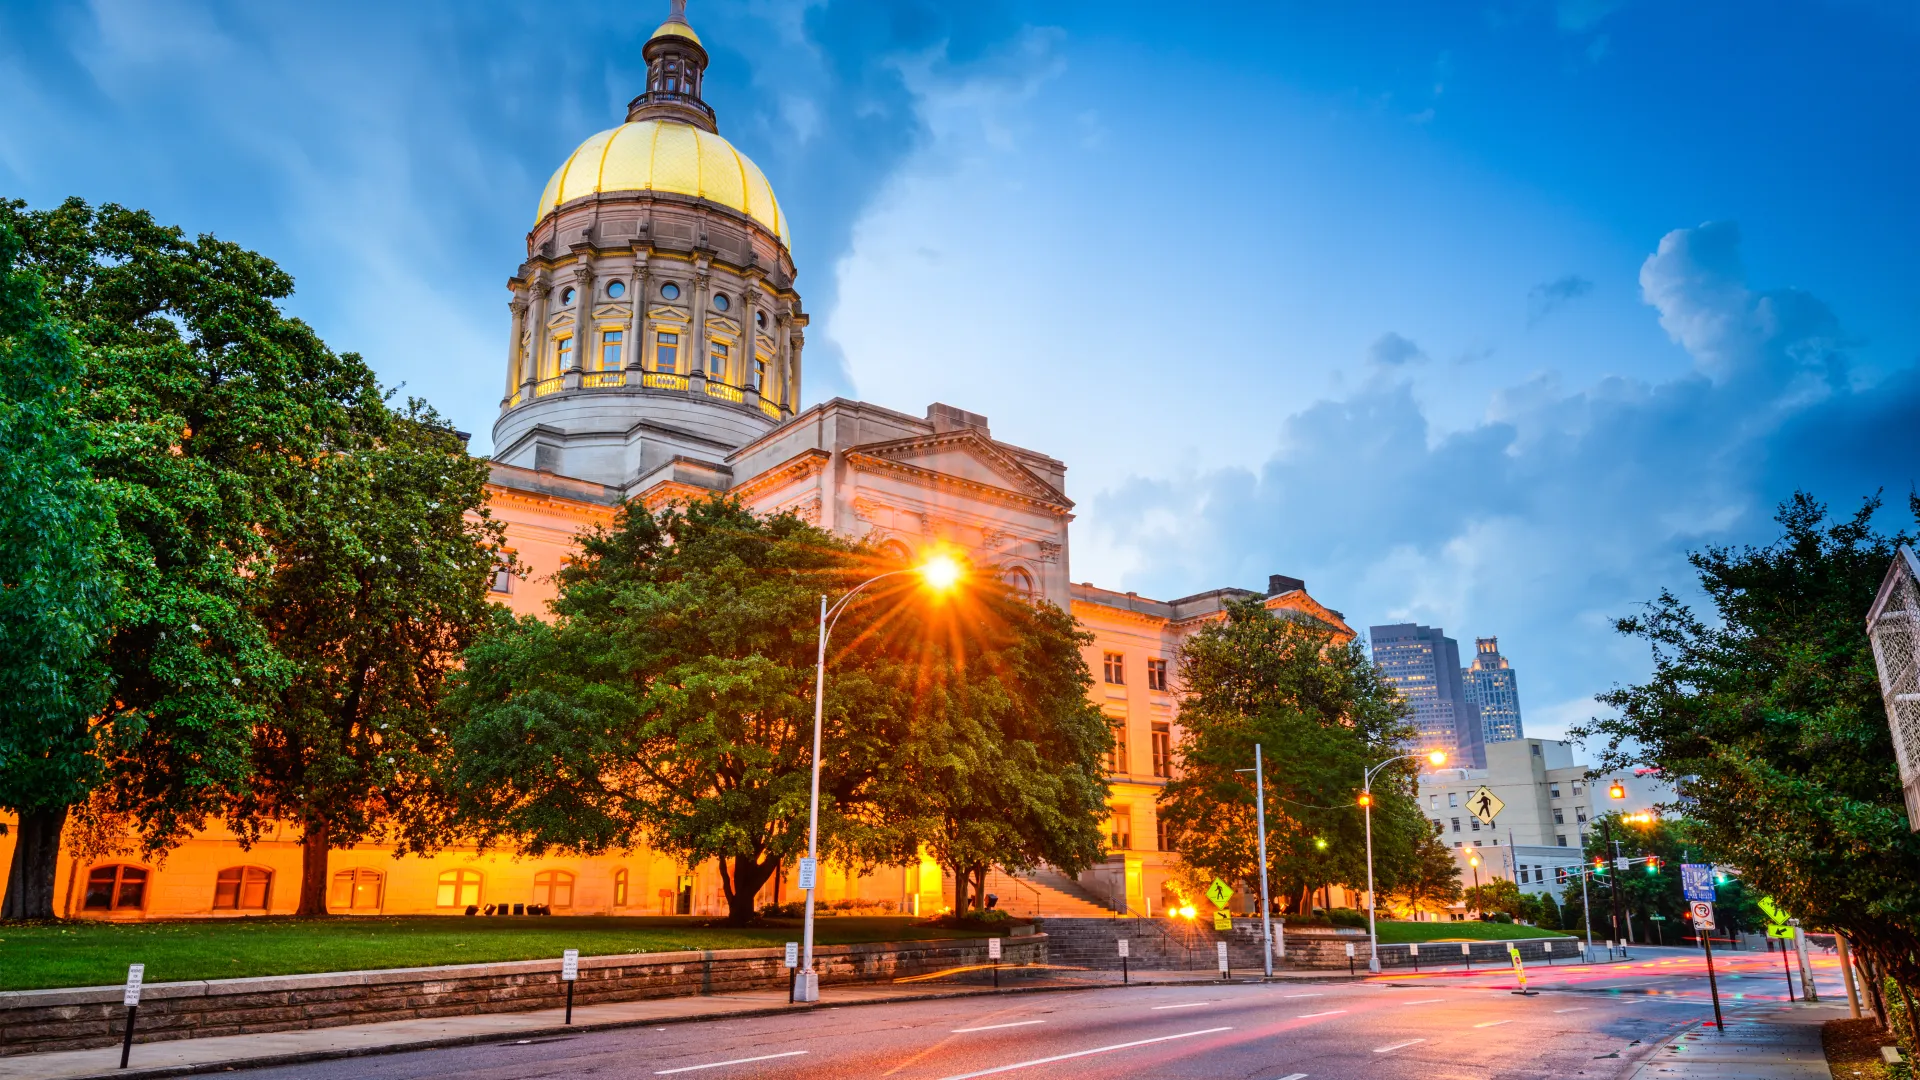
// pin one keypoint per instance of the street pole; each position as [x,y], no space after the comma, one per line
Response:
[1586,912]
[807,981]
[1613,883]
[1846,973]
[1260,817]
[1706,942]
[1808,992]
[1373,931]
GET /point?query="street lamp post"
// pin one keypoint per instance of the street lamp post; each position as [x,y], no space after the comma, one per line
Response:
[941,573]
[1260,824]
[1437,757]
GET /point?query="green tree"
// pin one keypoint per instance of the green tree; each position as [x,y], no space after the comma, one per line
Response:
[1322,715]
[204,407]
[1003,764]
[1432,882]
[1769,718]
[1495,896]
[379,583]
[54,584]
[670,702]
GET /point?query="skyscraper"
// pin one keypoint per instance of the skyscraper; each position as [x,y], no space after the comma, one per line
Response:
[1493,687]
[1423,663]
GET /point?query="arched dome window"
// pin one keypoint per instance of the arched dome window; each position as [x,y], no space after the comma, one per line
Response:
[553,888]
[242,888]
[895,551]
[458,888]
[1019,580]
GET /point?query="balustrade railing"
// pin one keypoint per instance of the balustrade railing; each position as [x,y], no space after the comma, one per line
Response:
[651,380]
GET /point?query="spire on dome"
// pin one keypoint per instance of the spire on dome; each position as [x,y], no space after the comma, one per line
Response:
[676,66]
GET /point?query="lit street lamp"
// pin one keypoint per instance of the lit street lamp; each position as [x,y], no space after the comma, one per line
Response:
[940,573]
[1437,757]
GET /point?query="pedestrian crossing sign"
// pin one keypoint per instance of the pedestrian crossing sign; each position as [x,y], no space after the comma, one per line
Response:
[1222,921]
[1485,805]
[1218,893]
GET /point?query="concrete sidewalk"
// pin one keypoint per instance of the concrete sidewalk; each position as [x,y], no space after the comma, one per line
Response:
[1781,1042]
[180,1057]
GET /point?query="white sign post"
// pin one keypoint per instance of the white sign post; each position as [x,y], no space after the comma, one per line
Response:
[1125,980]
[570,974]
[793,970]
[1350,970]
[807,873]
[1414,951]
[993,954]
[1222,947]
[793,954]
[136,974]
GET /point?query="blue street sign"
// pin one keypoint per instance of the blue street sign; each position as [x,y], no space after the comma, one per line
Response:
[1696,881]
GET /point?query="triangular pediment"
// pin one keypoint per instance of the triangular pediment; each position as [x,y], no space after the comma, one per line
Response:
[965,456]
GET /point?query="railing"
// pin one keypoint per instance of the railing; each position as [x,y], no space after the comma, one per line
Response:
[651,380]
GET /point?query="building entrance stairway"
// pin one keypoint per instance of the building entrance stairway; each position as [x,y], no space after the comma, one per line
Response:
[1042,893]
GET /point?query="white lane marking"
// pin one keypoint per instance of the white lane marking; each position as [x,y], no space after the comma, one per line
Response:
[1576,1008]
[1423,1001]
[1182,1005]
[735,1061]
[997,1027]
[1493,1023]
[1292,996]
[1084,1053]
[1397,1046]
[1294,1076]
[1329,1012]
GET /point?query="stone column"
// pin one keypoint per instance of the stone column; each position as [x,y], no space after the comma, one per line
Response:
[642,287]
[797,340]
[515,350]
[697,330]
[749,345]
[582,323]
[537,342]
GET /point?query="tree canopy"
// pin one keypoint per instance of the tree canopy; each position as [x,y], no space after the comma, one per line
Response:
[669,702]
[1768,719]
[1323,715]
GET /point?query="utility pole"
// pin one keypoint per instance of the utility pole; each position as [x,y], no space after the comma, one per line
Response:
[1260,816]
[1613,884]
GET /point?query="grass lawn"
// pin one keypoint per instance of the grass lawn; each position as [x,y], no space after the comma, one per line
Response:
[40,955]
[1403,933]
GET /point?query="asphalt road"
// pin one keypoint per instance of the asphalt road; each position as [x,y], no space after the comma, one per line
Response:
[1587,1021]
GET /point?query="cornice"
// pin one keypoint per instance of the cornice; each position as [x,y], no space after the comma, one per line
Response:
[871,463]
[1122,613]
[985,446]
[805,464]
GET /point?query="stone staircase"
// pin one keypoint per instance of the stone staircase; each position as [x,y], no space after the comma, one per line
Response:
[1040,894]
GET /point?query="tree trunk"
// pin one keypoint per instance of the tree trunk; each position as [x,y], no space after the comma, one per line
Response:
[314,845]
[36,858]
[749,874]
[980,887]
[959,891]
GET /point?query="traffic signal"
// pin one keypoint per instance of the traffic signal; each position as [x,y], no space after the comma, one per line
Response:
[1599,866]
[1719,878]
[1653,864]
[1616,790]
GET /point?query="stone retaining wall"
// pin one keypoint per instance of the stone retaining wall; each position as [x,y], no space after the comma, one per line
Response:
[33,1021]
[1169,944]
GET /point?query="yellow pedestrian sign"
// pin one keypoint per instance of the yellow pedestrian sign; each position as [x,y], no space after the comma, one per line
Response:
[1485,805]
[1222,921]
[1218,893]
[1777,924]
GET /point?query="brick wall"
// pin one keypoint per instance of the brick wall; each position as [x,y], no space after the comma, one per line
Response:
[33,1021]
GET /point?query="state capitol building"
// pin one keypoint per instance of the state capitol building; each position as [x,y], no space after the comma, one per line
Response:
[656,353]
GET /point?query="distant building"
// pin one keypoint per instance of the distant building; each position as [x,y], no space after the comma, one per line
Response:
[1551,808]
[1491,686]
[1423,663]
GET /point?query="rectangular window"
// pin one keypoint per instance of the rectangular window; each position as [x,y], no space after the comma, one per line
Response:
[1453,798]
[1476,843]
[1123,827]
[1558,818]
[1114,665]
[1456,824]
[1456,843]
[1579,788]
[1162,749]
[1157,675]
[610,343]
[1553,791]
[1161,840]
[1433,802]
[1476,824]
[1117,762]
[666,352]
[1580,814]
[563,353]
[502,580]
[760,375]
[717,361]
[1560,840]
[242,888]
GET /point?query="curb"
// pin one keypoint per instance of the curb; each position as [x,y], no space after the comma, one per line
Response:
[266,1061]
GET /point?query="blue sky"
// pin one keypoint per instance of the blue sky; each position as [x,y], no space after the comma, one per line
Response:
[1474,315]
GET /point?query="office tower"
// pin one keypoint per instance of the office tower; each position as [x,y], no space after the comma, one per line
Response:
[1492,686]
[1423,663]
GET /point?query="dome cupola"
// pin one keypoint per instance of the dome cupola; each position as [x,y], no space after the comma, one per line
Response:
[655,321]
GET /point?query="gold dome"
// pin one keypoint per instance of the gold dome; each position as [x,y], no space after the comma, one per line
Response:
[662,155]
[677,28]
